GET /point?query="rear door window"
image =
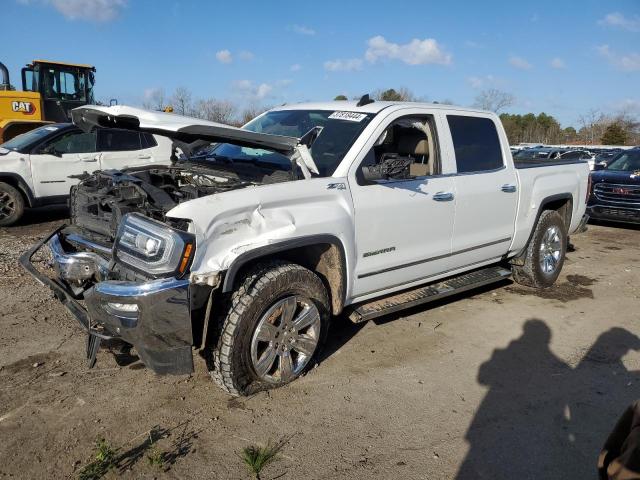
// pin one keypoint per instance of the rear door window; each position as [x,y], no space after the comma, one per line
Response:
[114,140]
[476,144]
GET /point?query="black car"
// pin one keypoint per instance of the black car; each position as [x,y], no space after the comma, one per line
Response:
[615,190]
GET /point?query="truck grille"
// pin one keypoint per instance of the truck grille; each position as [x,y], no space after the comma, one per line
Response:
[611,192]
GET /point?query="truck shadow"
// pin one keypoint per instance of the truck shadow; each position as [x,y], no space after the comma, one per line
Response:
[51,213]
[543,419]
[615,225]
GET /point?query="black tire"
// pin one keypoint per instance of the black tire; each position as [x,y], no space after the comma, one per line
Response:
[261,288]
[532,274]
[11,205]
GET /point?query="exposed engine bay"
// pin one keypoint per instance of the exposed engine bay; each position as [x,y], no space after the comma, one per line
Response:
[100,200]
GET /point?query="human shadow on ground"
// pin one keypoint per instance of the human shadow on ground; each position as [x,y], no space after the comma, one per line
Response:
[542,419]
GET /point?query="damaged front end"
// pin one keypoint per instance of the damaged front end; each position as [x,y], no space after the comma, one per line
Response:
[113,300]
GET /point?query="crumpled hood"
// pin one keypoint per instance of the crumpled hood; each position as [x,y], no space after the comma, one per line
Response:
[186,129]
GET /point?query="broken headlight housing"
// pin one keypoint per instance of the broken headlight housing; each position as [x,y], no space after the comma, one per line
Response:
[153,248]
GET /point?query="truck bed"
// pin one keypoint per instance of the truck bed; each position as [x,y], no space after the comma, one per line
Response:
[543,162]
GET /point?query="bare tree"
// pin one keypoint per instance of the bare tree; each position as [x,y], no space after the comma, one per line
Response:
[221,111]
[154,100]
[403,94]
[181,101]
[251,112]
[494,100]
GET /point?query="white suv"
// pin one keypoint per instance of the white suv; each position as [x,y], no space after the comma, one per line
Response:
[40,167]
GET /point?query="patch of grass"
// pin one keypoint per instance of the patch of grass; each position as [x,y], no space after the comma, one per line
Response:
[156,456]
[105,457]
[256,458]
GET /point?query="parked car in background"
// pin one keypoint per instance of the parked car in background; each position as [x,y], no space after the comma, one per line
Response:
[539,153]
[579,155]
[40,167]
[615,189]
[309,211]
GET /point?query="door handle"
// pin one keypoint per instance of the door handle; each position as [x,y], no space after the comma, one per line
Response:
[144,157]
[443,196]
[90,159]
[507,188]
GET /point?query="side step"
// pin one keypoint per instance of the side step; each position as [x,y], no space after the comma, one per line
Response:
[424,294]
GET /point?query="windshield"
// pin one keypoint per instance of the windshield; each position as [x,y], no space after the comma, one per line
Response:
[338,132]
[626,162]
[26,140]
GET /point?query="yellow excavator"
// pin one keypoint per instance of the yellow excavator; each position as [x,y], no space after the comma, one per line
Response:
[49,91]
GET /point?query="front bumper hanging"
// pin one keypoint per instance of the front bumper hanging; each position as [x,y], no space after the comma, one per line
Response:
[153,316]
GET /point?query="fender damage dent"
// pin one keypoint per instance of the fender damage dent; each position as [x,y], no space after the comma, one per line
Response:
[238,226]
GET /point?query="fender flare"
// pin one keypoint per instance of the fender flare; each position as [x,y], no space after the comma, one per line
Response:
[283,246]
[22,186]
[546,201]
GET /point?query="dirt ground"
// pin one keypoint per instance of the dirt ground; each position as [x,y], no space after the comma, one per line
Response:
[501,383]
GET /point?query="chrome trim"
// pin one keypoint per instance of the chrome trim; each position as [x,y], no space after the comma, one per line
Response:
[439,257]
[77,266]
[75,238]
[507,188]
[424,279]
[117,288]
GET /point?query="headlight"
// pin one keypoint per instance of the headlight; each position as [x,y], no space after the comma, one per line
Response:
[153,247]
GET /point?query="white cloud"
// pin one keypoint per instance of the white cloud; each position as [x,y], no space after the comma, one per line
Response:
[246,55]
[343,65]
[629,62]
[416,52]
[296,67]
[224,56]
[618,20]
[472,44]
[557,63]
[91,10]
[519,62]
[302,30]
[254,91]
[482,82]
[631,105]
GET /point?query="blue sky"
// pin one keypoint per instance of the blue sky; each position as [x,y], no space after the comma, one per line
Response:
[560,57]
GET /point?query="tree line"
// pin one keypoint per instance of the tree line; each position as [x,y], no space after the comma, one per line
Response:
[594,127]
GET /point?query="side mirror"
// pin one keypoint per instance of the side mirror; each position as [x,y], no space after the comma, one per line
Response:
[599,166]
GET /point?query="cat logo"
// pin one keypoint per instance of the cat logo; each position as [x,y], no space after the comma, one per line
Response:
[27,108]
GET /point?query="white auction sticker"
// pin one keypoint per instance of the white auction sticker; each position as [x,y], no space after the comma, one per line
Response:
[350,116]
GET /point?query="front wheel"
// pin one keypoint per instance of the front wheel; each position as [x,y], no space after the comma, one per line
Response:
[11,205]
[545,254]
[273,328]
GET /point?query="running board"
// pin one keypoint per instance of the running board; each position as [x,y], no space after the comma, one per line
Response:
[424,294]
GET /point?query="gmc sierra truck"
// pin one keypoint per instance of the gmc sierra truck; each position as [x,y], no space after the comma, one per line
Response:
[244,254]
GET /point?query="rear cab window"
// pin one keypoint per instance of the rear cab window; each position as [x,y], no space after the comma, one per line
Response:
[476,144]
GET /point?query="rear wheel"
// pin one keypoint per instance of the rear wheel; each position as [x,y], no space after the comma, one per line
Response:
[273,329]
[545,254]
[11,205]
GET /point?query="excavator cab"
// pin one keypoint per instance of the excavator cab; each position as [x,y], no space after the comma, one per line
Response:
[50,90]
[63,87]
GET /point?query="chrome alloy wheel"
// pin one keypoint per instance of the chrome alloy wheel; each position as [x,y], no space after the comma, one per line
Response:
[285,339]
[7,205]
[550,250]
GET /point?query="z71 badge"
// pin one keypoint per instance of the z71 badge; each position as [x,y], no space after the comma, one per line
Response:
[27,108]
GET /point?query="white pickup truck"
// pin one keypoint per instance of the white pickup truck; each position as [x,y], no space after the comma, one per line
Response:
[39,167]
[310,212]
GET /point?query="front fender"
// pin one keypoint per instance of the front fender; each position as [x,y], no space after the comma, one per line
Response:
[235,223]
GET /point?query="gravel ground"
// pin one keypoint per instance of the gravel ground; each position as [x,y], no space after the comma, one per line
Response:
[504,382]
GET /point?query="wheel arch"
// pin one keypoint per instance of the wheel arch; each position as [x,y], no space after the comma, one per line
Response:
[17,182]
[561,203]
[322,254]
